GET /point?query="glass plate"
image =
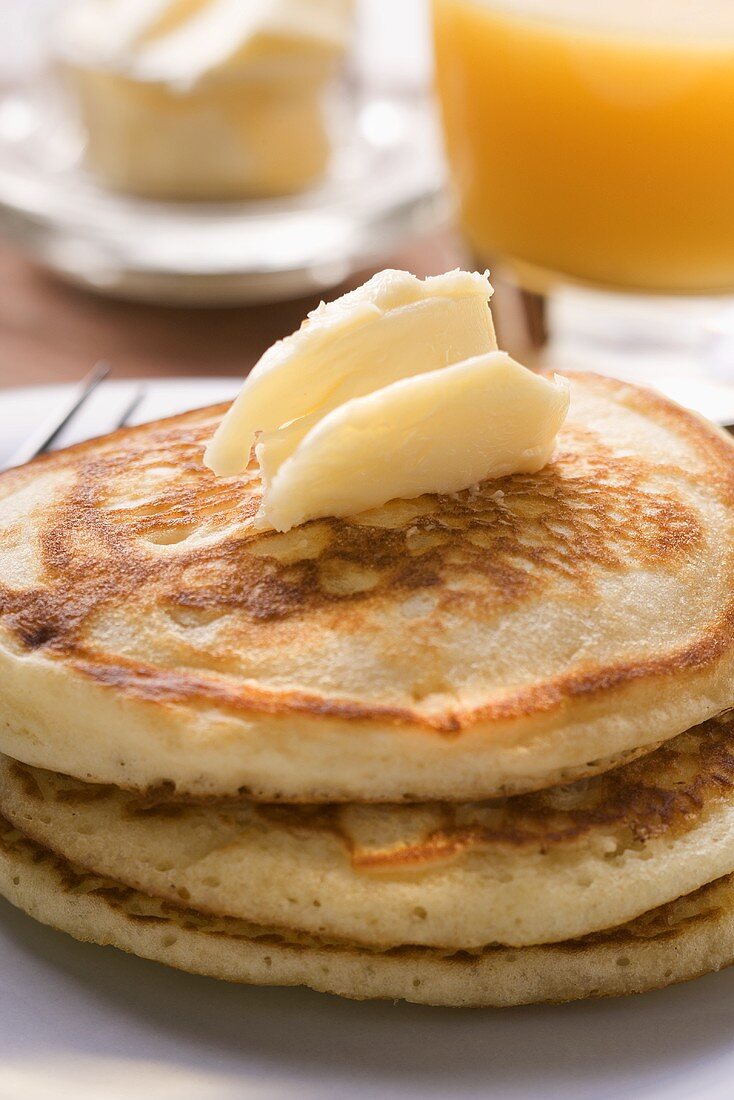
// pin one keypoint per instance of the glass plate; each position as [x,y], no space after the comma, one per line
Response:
[385,187]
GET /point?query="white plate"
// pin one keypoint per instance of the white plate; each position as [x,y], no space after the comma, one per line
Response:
[80,1022]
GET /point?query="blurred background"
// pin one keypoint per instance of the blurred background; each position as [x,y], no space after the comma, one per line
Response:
[182,180]
[76,281]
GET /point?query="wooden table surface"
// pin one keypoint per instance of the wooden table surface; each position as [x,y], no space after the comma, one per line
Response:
[51,332]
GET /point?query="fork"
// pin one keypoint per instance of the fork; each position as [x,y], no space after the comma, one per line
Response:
[44,436]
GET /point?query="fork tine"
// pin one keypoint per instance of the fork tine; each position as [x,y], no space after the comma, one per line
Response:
[131,408]
[42,438]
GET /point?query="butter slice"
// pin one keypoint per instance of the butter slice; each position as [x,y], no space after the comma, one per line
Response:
[205,99]
[394,327]
[440,432]
[182,42]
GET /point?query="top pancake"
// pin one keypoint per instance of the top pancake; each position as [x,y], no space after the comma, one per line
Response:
[520,633]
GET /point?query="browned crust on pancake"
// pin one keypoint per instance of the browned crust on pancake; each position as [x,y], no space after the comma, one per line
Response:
[663,794]
[52,618]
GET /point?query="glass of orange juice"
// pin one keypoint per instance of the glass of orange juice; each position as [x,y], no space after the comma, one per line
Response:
[591,144]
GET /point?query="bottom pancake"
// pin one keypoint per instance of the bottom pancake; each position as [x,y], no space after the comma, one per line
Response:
[683,939]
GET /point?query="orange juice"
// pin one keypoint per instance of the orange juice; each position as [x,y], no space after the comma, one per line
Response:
[594,140]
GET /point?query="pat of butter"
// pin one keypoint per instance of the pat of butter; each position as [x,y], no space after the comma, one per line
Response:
[370,402]
[393,327]
[205,99]
[182,42]
[433,433]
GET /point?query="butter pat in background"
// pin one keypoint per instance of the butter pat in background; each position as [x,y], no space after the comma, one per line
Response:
[205,99]
[394,390]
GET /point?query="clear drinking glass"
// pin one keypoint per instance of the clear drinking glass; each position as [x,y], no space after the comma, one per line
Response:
[591,146]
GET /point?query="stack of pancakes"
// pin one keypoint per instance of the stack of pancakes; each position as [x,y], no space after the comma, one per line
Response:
[463,750]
